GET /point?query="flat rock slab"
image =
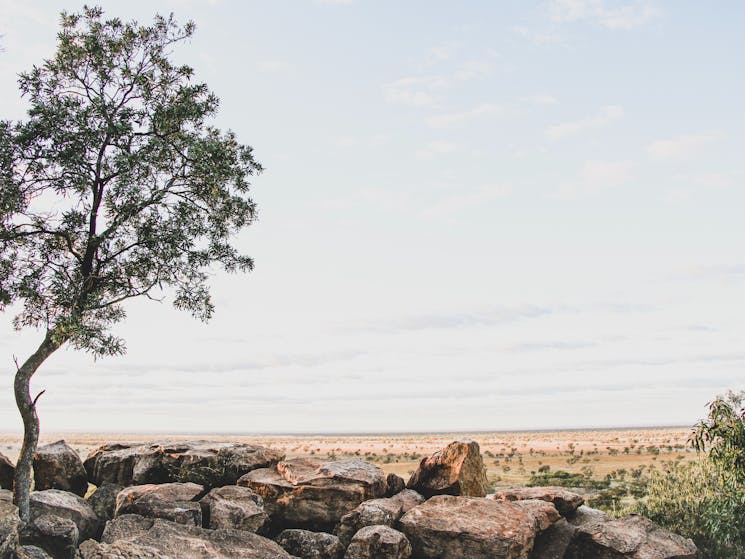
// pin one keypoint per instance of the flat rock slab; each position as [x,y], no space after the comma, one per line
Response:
[631,537]
[233,506]
[172,540]
[58,466]
[66,505]
[171,501]
[544,513]
[565,501]
[311,545]
[458,469]
[7,472]
[304,493]
[206,463]
[448,527]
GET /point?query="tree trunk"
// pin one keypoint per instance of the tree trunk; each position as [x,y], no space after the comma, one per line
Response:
[27,406]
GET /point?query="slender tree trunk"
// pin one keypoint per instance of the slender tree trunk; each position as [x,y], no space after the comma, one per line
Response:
[27,406]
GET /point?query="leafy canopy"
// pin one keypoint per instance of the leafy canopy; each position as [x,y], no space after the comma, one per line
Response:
[116,185]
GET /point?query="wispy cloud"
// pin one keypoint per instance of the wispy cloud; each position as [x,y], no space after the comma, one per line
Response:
[680,146]
[458,117]
[604,116]
[460,201]
[435,148]
[540,38]
[596,176]
[623,15]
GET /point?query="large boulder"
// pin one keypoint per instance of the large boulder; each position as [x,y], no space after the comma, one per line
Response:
[394,484]
[58,466]
[169,539]
[631,537]
[206,463]
[305,544]
[305,493]
[9,520]
[233,506]
[384,512]
[458,469]
[553,542]
[543,513]
[449,527]
[66,505]
[565,501]
[57,536]
[171,501]
[103,500]
[378,542]
[7,472]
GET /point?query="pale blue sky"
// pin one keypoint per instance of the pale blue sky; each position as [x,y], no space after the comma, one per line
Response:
[474,215]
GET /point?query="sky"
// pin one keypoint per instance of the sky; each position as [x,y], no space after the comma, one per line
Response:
[475,215]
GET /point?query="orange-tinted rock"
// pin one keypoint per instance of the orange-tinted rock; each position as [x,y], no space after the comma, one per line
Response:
[458,469]
[171,501]
[565,501]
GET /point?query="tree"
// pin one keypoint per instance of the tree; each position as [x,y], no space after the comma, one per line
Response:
[116,186]
[722,434]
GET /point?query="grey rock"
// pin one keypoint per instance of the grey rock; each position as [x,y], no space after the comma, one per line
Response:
[310,545]
[543,513]
[553,542]
[171,501]
[384,512]
[58,466]
[565,501]
[66,505]
[57,536]
[206,463]
[586,515]
[233,506]
[394,484]
[103,500]
[378,542]
[7,472]
[91,549]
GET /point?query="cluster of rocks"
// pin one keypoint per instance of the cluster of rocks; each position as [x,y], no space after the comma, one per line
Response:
[225,500]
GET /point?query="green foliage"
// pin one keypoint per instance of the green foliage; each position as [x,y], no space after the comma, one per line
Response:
[697,501]
[116,186]
[566,479]
[722,434]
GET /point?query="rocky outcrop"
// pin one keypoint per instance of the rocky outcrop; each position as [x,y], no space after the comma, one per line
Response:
[169,539]
[631,537]
[394,484]
[103,500]
[565,501]
[384,512]
[458,469]
[304,493]
[585,515]
[55,535]
[92,549]
[58,466]
[233,506]
[66,505]
[449,527]
[7,472]
[378,542]
[8,516]
[305,544]
[205,463]
[171,501]
[543,513]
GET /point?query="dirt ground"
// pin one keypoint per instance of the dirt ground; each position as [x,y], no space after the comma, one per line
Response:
[510,457]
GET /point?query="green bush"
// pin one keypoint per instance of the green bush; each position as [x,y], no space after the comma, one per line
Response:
[697,501]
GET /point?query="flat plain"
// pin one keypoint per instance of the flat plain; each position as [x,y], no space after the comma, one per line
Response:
[510,457]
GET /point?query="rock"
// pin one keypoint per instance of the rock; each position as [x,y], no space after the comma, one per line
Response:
[632,537]
[455,470]
[544,514]
[202,462]
[384,512]
[565,501]
[310,545]
[394,484]
[57,536]
[33,552]
[233,506]
[378,542]
[553,542]
[305,493]
[585,515]
[103,500]
[172,540]
[171,501]
[7,472]
[57,466]
[448,527]
[8,515]
[66,505]
[91,549]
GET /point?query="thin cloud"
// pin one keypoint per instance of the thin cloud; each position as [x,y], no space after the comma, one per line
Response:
[604,116]
[437,147]
[448,119]
[460,201]
[628,15]
[680,146]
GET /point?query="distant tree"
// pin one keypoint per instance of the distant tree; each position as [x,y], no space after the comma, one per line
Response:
[116,186]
